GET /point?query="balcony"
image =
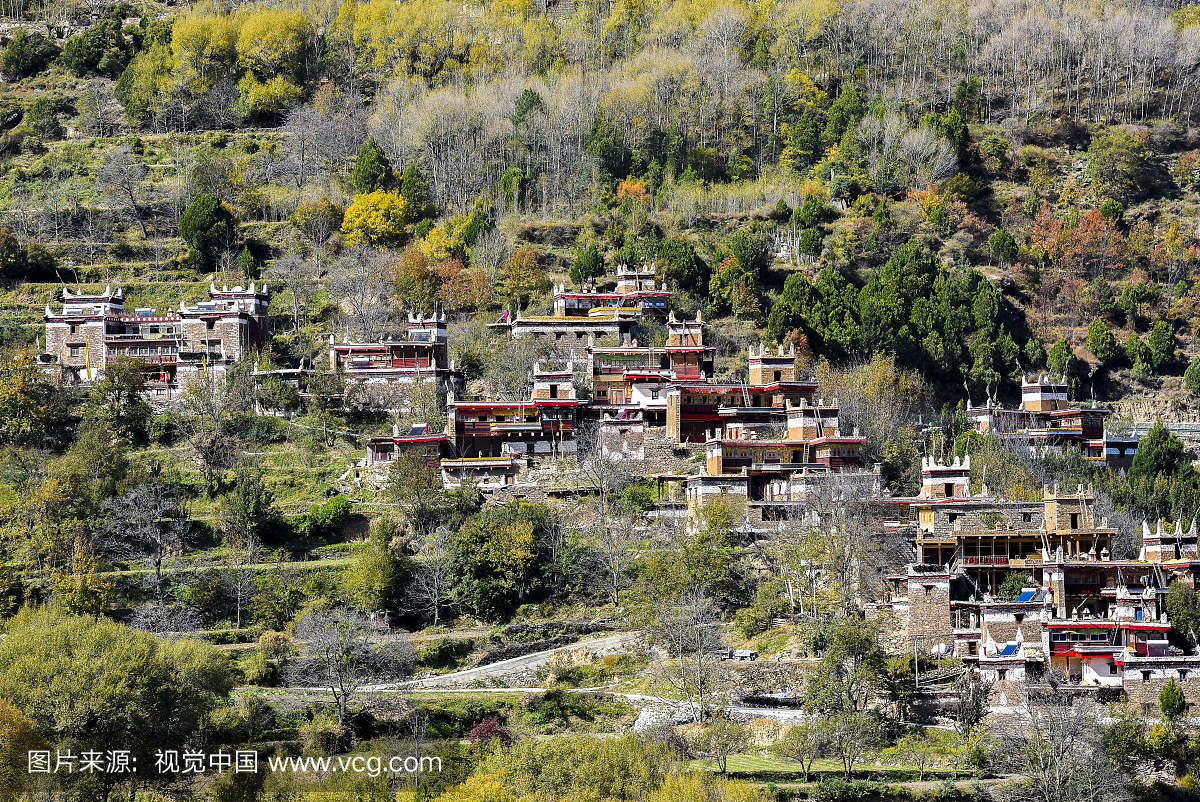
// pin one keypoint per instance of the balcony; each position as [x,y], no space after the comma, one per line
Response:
[989,561]
[517,427]
[389,364]
[128,337]
[780,466]
[462,463]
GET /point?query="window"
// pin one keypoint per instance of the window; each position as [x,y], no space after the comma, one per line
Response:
[1019,617]
[949,490]
[1028,517]
[1145,676]
[1183,673]
[1112,669]
[208,324]
[1002,674]
[1074,520]
[1137,614]
[76,350]
[952,517]
[74,329]
[554,391]
[654,394]
[778,375]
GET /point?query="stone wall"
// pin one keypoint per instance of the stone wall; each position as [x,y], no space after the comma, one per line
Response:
[929,607]
[1143,694]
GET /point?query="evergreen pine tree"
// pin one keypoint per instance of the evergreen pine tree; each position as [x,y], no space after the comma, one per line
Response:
[372,171]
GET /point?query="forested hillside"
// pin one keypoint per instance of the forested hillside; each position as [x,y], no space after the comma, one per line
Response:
[928,199]
[901,153]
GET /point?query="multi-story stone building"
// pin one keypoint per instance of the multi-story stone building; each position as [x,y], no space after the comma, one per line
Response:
[422,356]
[768,473]
[94,329]
[636,289]
[591,315]
[695,408]
[1046,422]
[641,376]
[1095,619]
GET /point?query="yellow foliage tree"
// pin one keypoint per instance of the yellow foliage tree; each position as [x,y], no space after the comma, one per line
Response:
[17,739]
[274,97]
[272,42]
[42,523]
[436,245]
[808,94]
[204,47]
[376,218]
[81,589]
[700,787]
[479,788]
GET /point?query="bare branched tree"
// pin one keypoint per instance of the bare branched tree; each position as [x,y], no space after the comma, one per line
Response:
[166,620]
[122,175]
[295,274]
[146,523]
[204,420]
[431,590]
[686,635]
[1054,746]
[363,285]
[342,652]
[243,550]
[614,547]
[99,112]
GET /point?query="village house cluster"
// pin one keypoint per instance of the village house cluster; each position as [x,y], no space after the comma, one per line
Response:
[176,345]
[1082,619]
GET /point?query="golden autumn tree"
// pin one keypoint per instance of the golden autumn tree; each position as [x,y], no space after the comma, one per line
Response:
[376,218]
[80,588]
[17,738]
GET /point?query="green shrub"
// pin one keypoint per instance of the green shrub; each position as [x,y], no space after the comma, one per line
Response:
[839,790]
[768,603]
[27,54]
[445,653]
[325,520]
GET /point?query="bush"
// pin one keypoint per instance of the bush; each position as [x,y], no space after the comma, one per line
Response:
[324,736]
[839,790]
[274,644]
[1118,162]
[1191,376]
[164,427]
[42,118]
[1102,342]
[1138,353]
[101,49]
[1162,346]
[27,54]
[1004,246]
[445,653]
[768,603]
[325,520]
